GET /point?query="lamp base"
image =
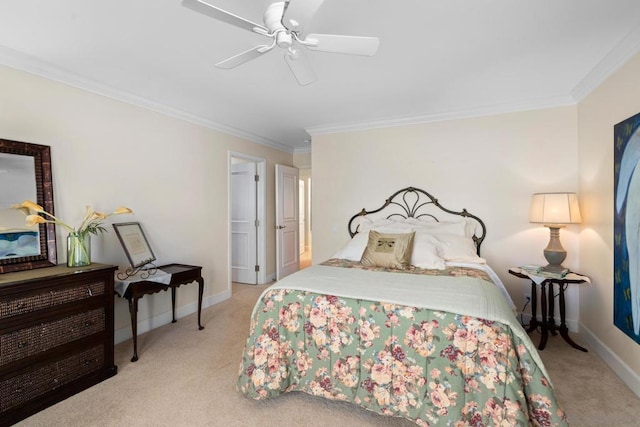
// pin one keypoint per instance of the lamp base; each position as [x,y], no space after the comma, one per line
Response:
[555,269]
[554,253]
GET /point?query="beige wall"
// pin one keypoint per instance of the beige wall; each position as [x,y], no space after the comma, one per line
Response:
[615,100]
[302,160]
[172,173]
[488,165]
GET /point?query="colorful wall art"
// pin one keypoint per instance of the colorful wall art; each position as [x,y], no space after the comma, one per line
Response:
[626,305]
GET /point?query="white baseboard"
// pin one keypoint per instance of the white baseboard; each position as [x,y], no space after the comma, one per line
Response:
[626,374]
[145,325]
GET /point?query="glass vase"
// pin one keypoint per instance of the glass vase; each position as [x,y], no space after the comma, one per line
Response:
[78,249]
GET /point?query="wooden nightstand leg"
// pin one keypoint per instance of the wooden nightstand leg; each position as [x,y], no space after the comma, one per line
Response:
[200,292]
[133,312]
[533,323]
[173,304]
[551,321]
[564,331]
[545,325]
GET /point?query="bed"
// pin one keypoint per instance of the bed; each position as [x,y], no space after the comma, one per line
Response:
[407,320]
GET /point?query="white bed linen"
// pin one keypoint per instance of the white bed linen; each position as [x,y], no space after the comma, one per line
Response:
[492,274]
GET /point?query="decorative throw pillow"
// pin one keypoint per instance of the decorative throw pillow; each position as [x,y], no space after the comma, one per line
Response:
[388,250]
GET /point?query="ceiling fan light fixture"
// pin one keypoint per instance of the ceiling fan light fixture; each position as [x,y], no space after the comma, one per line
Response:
[283,39]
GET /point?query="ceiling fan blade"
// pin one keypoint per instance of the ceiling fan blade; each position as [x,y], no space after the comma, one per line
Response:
[223,15]
[300,66]
[352,45]
[243,57]
[299,13]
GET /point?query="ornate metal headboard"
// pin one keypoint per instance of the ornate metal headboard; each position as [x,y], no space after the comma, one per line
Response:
[412,202]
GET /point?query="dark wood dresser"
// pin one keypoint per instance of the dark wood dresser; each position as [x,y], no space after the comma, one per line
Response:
[56,336]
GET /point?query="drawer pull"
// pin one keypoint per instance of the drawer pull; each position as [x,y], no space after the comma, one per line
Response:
[87,362]
[87,323]
[18,390]
[89,292]
[23,344]
[19,306]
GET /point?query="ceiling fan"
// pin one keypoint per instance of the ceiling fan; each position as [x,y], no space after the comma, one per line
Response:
[284,23]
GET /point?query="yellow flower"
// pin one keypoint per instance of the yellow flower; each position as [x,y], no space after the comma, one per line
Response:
[122,210]
[91,223]
[27,206]
[35,220]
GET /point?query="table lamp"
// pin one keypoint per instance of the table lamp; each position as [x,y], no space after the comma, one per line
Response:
[554,210]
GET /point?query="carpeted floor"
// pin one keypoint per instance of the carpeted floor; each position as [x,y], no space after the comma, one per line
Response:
[186,377]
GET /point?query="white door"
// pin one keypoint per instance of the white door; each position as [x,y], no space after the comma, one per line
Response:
[287,227]
[244,235]
[301,213]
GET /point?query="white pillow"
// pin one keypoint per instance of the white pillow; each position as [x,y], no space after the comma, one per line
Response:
[425,252]
[458,248]
[385,226]
[354,249]
[461,228]
[464,227]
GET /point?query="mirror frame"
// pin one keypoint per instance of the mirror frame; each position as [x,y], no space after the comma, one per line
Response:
[44,195]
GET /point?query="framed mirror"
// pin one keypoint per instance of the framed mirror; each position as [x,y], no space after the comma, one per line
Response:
[25,174]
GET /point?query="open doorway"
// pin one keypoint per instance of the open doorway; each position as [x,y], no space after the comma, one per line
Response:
[305,217]
[247,234]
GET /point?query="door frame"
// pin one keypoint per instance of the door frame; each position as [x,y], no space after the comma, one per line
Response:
[261,167]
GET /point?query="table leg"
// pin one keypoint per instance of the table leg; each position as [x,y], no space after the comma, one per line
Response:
[133,312]
[551,321]
[173,303]
[545,326]
[564,331]
[533,323]
[200,292]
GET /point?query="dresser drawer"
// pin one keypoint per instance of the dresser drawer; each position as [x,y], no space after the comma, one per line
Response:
[27,342]
[25,387]
[49,298]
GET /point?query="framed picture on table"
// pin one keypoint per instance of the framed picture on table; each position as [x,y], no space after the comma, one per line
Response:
[134,243]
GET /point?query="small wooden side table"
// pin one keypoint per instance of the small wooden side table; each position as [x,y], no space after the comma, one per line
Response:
[180,275]
[548,323]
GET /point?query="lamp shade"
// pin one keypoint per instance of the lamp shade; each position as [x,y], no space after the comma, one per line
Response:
[555,208]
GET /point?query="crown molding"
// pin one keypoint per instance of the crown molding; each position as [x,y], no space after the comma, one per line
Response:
[302,150]
[559,101]
[627,48]
[28,64]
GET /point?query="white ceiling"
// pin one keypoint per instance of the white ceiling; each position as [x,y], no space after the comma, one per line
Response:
[437,59]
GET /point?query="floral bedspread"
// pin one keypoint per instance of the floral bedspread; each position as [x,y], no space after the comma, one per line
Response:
[433,367]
